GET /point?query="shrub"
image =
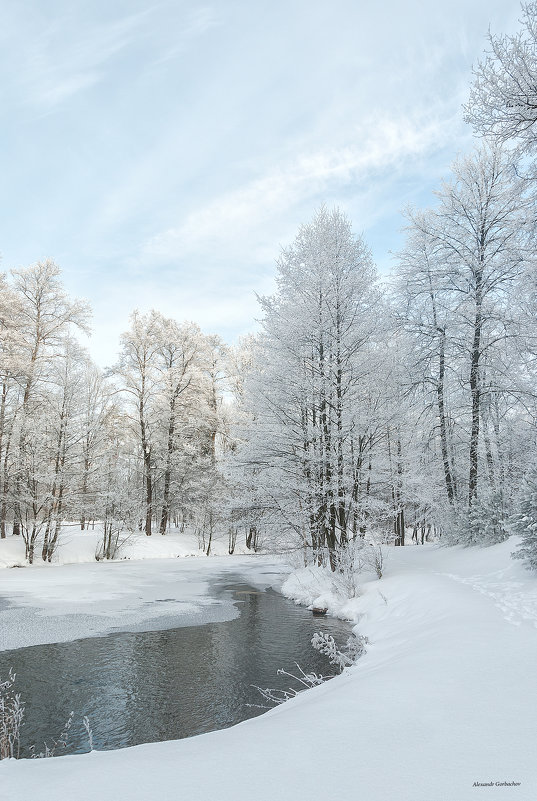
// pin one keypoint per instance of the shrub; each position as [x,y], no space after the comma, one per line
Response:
[11,716]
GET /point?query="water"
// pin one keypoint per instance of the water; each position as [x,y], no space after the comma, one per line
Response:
[162,685]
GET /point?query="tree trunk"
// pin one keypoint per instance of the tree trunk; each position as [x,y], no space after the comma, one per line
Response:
[440,389]
[475,388]
[165,514]
[148,493]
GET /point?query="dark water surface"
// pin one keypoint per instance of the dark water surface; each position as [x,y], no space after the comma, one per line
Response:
[163,685]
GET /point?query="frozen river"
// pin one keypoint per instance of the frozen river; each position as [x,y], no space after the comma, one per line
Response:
[179,678]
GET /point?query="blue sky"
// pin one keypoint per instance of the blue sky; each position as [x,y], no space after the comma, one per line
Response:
[162,152]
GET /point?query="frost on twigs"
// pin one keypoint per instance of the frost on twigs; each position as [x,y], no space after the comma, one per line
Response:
[524,521]
[348,562]
[325,644]
[89,732]
[11,715]
[375,558]
[351,560]
[304,680]
[347,656]
[60,743]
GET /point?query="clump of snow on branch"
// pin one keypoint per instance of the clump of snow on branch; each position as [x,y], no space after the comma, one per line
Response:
[341,658]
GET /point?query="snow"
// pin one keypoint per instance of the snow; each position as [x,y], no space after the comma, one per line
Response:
[80,546]
[45,604]
[444,697]
[103,597]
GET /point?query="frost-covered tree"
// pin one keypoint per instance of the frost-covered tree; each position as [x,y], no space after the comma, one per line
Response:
[63,457]
[136,371]
[524,521]
[179,365]
[422,311]
[215,439]
[118,503]
[144,450]
[503,100]
[460,277]
[172,380]
[46,314]
[12,371]
[98,406]
[305,393]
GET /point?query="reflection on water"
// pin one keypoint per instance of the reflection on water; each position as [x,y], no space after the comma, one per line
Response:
[163,685]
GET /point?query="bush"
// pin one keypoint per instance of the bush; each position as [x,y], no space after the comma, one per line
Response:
[325,644]
[353,649]
[375,558]
[524,522]
[11,716]
[349,560]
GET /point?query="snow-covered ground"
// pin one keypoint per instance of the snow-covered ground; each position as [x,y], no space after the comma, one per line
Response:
[444,698]
[77,597]
[80,546]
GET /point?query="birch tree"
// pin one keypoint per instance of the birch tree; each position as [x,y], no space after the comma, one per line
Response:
[468,254]
[136,370]
[46,313]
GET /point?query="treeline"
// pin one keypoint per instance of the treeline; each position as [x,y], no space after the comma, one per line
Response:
[364,409]
[375,410]
[134,449]
[401,409]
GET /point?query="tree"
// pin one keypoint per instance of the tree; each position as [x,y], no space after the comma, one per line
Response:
[503,99]
[422,312]
[524,522]
[11,376]
[171,377]
[45,316]
[181,360]
[137,371]
[97,408]
[305,391]
[63,423]
[478,235]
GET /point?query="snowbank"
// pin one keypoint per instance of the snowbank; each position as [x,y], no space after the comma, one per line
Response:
[440,708]
[77,546]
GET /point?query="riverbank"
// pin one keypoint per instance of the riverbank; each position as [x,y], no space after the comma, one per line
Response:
[78,547]
[440,706]
[45,604]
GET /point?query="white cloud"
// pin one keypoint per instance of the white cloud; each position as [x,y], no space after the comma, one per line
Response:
[198,22]
[379,145]
[66,57]
[57,90]
[180,142]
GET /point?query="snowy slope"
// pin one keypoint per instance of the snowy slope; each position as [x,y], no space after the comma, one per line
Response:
[445,697]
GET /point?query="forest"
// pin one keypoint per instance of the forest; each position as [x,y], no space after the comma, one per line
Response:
[366,406]
[297,563]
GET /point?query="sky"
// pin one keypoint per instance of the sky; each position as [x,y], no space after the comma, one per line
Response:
[163,152]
